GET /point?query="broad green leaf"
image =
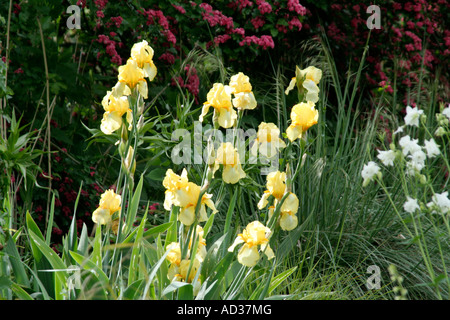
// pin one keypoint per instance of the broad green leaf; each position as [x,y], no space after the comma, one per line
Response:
[83,243]
[54,260]
[20,293]
[16,262]
[183,294]
[134,290]
[172,231]
[157,230]
[279,278]
[88,264]
[97,251]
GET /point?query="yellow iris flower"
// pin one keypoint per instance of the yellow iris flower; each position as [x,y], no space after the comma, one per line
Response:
[173,184]
[254,235]
[303,116]
[130,77]
[288,219]
[267,140]
[242,90]
[114,108]
[219,97]
[108,205]
[178,268]
[276,187]
[228,156]
[142,53]
[184,194]
[307,79]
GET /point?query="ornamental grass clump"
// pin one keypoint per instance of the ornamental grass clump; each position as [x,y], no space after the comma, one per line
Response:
[418,159]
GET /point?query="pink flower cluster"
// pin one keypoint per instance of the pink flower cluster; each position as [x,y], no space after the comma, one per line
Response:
[295,6]
[215,17]
[192,83]
[110,48]
[179,9]
[100,4]
[264,41]
[117,21]
[167,57]
[263,6]
[153,15]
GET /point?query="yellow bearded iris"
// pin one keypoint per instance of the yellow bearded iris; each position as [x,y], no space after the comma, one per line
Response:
[268,141]
[288,219]
[303,116]
[219,97]
[114,108]
[306,79]
[173,184]
[130,77]
[254,235]
[108,205]
[184,194]
[142,53]
[188,202]
[276,187]
[242,90]
[228,156]
[179,265]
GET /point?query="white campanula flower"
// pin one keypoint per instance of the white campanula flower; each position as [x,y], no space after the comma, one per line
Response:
[411,205]
[441,202]
[387,157]
[446,111]
[416,163]
[409,146]
[369,172]
[432,148]
[399,130]
[412,116]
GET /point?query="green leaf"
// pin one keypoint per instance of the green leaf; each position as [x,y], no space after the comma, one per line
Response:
[20,293]
[157,230]
[50,221]
[97,250]
[134,290]
[185,290]
[276,281]
[88,264]
[133,206]
[54,260]
[83,243]
[135,256]
[16,262]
